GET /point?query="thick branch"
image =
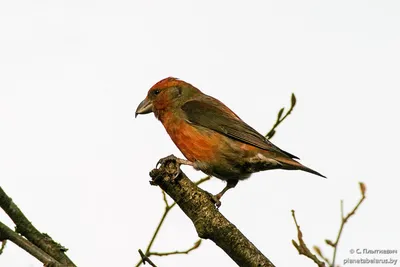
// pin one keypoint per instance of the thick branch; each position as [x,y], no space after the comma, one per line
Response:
[26,229]
[208,221]
[27,246]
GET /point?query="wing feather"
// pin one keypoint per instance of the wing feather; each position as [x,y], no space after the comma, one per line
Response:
[214,115]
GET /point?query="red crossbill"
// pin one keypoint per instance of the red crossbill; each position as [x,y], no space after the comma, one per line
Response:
[211,136]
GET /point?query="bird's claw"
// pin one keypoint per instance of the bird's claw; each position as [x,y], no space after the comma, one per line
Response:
[179,161]
[215,200]
[163,161]
[170,166]
[176,174]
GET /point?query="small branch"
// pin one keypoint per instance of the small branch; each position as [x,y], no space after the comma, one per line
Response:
[280,119]
[27,246]
[24,227]
[345,219]
[165,199]
[146,259]
[168,207]
[302,247]
[3,245]
[208,177]
[196,245]
[319,253]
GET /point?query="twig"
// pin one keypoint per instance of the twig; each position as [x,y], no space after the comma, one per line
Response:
[26,229]
[280,119]
[196,245]
[319,253]
[165,199]
[345,219]
[146,259]
[3,246]
[202,180]
[167,209]
[302,247]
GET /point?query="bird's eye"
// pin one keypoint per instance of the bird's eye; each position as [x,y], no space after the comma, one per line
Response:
[156,92]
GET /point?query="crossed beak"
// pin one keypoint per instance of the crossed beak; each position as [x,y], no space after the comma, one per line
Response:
[144,107]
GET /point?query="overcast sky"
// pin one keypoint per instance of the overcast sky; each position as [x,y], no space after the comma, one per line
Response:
[76,161]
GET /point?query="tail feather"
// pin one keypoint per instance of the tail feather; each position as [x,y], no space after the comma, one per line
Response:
[291,164]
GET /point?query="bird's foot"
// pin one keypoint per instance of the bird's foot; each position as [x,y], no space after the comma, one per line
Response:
[170,165]
[170,158]
[215,199]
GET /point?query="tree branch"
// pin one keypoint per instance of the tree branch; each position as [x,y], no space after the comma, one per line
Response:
[34,238]
[196,245]
[209,222]
[345,219]
[280,119]
[168,208]
[3,245]
[28,246]
[302,247]
[146,259]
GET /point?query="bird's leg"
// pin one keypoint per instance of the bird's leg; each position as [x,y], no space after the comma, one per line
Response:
[231,183]
[184,162]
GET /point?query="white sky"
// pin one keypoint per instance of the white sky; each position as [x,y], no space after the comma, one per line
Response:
[76,162]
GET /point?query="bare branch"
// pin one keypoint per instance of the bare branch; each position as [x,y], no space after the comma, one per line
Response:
[319,253]
[302,247]
[165,198]
[166,211]
[208,221]
[202,180]
[168,207]
[195,246]
[27,246]
[3,246]
[345,219]
[146,259]
[280,119]
[33,237]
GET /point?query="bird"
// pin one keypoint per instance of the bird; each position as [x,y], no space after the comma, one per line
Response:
[211,136]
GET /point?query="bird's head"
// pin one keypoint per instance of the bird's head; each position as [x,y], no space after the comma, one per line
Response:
[167,93]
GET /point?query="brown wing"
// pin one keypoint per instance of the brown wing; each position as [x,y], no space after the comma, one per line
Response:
[207,113]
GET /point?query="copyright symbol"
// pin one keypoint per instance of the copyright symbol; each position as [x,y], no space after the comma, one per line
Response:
[352,251]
